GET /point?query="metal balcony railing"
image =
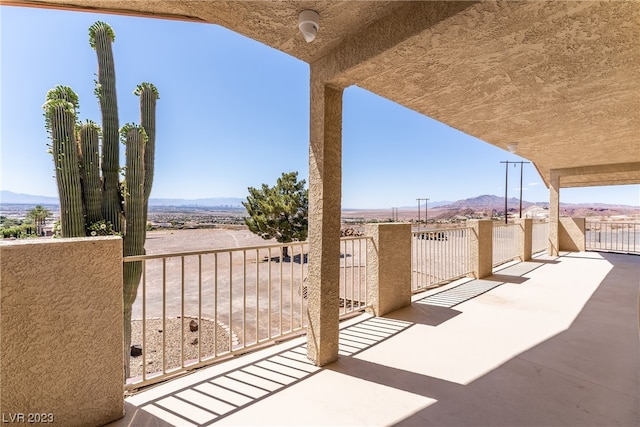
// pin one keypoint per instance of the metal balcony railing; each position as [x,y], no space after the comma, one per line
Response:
[353,269]
[540,237]
[196,308]
[505,243]
[613,236]
[439,256]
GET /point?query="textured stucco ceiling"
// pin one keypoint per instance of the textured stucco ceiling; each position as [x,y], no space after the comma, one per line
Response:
[560,78]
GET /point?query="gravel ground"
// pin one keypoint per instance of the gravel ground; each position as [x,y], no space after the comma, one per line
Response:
[153,344]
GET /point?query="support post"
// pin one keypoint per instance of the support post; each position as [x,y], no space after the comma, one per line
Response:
[325,183]
[571,234]
[554,213]
[525,238]
[481,248]
[388,267]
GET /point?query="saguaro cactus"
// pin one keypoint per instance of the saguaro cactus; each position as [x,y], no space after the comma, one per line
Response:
[86,197]
[148,95]
[89,152]
[60,118]
[101,36]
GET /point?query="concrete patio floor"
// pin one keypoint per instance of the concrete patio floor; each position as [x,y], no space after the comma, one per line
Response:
[548,342]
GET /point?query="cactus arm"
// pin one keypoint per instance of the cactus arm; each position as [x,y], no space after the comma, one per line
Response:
[101,36]
[134,207]
[60,118]
[148,96]
[134,189]
[135,139]
[90,171]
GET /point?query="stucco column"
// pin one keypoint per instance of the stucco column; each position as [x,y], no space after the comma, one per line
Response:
[481,249]
[62,331]
[554,213]
[325,182]
[388,267]
[525,238]
[571,234]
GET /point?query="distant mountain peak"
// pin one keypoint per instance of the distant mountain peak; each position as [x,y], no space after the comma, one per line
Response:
[10,197]
[487,201]
[21,198]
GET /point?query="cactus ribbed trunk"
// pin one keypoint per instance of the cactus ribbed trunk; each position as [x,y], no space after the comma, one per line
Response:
[148,97]
[90,171]
[111,205]
[126,317]
[135,229]
[62,122]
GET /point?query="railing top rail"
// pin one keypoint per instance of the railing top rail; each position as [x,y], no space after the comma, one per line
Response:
[134,258]
[431,230]
[356,238]
[210,251]
[599,221]
[511,224]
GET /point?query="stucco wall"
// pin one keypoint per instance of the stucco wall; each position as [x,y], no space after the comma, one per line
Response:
[481,248]
[525,238]
[571,234]
[61,329]
[388,266]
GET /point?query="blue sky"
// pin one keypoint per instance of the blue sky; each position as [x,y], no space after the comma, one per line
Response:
[234,113]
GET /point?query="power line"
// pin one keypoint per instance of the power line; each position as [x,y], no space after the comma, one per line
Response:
[506,186]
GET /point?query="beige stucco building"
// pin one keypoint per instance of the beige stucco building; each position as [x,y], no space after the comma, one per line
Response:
[560,79]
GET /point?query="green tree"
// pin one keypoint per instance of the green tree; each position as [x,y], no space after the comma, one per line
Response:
[279,212]
[39,215]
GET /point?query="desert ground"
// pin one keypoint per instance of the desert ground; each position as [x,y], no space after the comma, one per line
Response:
[170,241]
[245,293]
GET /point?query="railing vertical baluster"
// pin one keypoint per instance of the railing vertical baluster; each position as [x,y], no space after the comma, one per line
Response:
[164,315]
[182,312]
[353,276]
[215,304]
[301,285]
[450,247]
[200,308]
[144,322]
[359,273]
[269,293]
[628,229]
[281,290]
[230,300]
[257,296]
[291,328]
[244,298]
[343,285]
[421,264]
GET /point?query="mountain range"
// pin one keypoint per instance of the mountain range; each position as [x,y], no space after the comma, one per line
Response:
[485,201]
[10,197]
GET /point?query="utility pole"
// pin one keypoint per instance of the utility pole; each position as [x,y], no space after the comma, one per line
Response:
[506,186]
[419,200]
[427,213]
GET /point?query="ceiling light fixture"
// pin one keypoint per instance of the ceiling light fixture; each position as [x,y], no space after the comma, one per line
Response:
[512,147]
[309,23]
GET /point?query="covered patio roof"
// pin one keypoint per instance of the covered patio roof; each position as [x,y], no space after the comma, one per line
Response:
[562,79]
